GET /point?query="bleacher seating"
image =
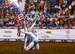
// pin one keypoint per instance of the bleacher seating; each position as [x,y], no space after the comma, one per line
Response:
[47,6]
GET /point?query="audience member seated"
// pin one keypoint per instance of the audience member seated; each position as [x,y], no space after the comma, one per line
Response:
[50,13]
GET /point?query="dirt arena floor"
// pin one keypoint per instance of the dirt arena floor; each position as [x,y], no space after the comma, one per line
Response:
[45,48]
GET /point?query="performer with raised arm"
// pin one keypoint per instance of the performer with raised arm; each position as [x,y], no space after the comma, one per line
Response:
[30,32]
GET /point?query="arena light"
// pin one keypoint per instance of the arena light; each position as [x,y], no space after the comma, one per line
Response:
[16,2]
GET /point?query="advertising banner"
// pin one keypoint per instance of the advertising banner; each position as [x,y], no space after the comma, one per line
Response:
[42,34]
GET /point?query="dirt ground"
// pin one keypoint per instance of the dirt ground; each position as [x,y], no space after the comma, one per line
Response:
[45,48]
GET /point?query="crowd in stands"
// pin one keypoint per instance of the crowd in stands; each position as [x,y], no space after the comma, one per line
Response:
[51,13]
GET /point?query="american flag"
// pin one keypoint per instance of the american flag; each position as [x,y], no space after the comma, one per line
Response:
[19,16]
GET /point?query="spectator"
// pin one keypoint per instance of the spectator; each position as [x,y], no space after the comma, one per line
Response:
[1,22]
[52,23]
[41,7]
[58,7]
[54,13]
[72,16]
[47,15]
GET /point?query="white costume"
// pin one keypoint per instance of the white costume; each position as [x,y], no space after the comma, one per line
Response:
[34,41]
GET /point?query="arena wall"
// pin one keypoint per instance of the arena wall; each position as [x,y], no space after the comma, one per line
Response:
[44,35]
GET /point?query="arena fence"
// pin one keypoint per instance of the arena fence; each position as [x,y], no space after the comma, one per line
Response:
[44,35]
